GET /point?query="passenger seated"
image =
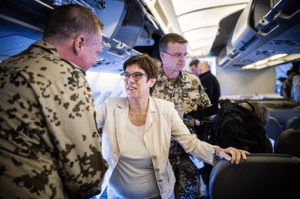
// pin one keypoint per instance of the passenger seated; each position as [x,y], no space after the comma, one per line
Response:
[260,109]
[262,113]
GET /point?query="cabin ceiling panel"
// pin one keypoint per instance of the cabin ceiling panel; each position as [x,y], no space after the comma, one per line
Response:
[185,6]
[201,43]
[206,18]
[197,19]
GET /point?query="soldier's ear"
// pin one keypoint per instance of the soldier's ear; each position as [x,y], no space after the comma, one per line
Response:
[162,55]
[78,44]
[152,82]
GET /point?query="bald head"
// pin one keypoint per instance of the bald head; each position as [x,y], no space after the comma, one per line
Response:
[203,67]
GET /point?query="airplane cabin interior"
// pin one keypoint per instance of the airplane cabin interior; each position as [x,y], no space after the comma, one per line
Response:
[250,45]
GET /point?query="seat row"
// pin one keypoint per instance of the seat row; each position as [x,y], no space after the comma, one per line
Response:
[261,176]
[274,128]
[264,175]
[286,140]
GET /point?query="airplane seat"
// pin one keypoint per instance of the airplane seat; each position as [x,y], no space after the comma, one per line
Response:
[288,143]
[261,176]
[273,128]
[292,123]
[269,147]
[283,115]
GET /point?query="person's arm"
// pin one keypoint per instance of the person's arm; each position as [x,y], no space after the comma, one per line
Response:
[70,117]
[201,150]
[200,113]
[101,114]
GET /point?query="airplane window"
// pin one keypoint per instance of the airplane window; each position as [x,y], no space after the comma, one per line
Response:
[104,84]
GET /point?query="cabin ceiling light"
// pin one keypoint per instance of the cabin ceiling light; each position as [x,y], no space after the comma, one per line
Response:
[260,67]
[44,4]
[261,62]
[248,66]
[292,57]
[272,61]
[277,56]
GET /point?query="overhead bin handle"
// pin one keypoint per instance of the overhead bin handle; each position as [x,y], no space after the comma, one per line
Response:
[276,17]
[270,16]
[118,48]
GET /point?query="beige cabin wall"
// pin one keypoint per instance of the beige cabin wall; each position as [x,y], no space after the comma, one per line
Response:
[246,82]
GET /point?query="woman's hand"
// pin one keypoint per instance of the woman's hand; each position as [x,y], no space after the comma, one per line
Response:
[231,154]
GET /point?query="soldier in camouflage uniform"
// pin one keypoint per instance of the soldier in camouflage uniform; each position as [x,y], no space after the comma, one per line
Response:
[49,141]
[186,92]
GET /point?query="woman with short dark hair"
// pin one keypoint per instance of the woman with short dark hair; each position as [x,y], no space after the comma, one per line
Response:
[137,134]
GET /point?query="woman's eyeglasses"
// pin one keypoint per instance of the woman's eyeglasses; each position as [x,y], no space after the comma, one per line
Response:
[136,76]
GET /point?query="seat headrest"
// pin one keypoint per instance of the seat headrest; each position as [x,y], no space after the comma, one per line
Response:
[288,143]
[260,176]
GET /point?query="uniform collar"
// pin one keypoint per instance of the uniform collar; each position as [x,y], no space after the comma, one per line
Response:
[183,77]
[47,46]
[51,49]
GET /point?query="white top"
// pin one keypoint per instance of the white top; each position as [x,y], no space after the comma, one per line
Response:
[162,122]
[134,175]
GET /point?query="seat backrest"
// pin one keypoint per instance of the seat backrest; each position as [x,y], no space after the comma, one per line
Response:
[292,123]
[283,115]
[288,142]
[260,176]
[273,128]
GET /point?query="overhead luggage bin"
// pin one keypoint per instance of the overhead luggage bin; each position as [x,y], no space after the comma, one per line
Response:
[126,23]
[265,28]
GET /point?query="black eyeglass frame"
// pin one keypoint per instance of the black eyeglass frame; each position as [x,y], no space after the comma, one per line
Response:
[136,76]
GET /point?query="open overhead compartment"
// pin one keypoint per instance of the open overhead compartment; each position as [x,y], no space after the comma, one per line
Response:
[126,24]
[264,29]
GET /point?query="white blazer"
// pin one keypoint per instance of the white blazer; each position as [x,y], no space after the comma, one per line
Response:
[162,122]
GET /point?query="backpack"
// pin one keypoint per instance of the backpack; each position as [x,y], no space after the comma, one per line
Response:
[232,126]
[239,127]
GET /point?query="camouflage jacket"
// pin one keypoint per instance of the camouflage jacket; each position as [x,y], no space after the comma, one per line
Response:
[186,95]
[49,141]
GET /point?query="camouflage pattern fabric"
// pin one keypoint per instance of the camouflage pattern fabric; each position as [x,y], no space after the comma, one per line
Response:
[186,95]
[49,140]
